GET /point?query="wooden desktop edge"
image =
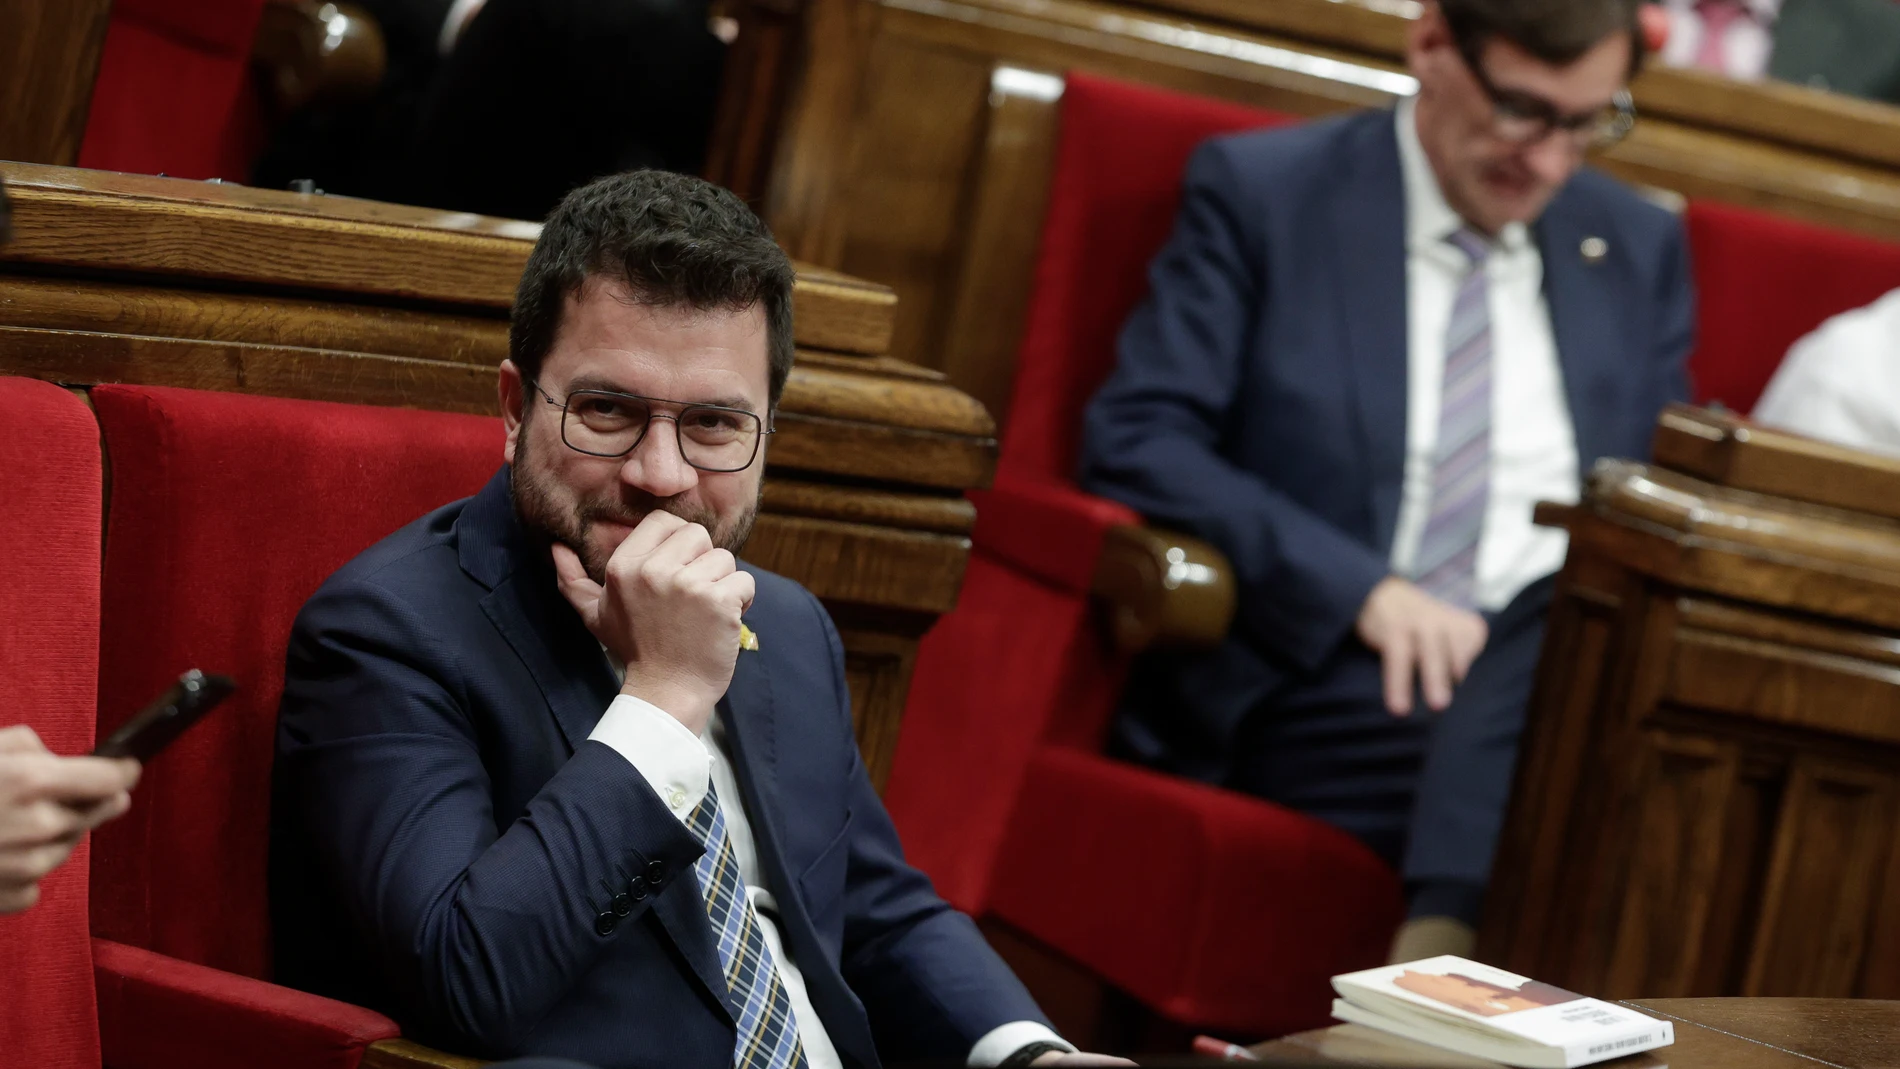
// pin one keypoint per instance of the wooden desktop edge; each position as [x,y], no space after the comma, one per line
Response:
[407,1054]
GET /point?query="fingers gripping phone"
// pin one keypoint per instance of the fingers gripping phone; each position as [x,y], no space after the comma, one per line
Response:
[161,722]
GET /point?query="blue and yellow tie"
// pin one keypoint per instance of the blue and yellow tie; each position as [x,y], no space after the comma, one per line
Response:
[768,1035]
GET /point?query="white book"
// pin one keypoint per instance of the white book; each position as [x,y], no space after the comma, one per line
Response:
[1482,1012]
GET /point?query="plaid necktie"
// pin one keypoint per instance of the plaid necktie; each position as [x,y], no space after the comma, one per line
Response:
[768,1036]
[1447,565]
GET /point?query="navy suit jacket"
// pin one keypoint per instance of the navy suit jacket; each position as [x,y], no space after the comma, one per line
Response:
[1259,399]
[448,847]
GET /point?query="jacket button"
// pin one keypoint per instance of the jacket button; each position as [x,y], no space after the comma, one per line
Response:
[623,904]
[604,924]
[638,888]
[656,871]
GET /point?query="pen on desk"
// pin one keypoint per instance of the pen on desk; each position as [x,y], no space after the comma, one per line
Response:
[1209,1047]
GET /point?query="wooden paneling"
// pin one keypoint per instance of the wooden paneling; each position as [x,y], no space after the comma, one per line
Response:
[1836,835]
[996,264]
[1706,801]
[905,159]
[163,282]
[1674,853]
[877,666]
[49,56]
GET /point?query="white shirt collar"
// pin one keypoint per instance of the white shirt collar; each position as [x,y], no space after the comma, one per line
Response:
[1429,220]
[1765,11]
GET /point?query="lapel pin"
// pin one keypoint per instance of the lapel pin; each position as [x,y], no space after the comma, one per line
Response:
[747,639]
[1594,250]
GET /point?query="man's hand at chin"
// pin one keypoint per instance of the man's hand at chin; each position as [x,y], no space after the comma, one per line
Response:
[1079,1058]
[669,609]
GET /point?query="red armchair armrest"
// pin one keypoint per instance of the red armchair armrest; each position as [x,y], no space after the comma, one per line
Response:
[157,1012]
[1262,905]
[1050,531]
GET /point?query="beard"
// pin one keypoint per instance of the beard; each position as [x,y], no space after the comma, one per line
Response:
[538,502]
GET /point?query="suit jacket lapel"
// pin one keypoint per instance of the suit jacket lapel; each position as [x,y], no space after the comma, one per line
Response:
[528,610]
[1586,311]
[573,675]
[1368,222]
[752,734]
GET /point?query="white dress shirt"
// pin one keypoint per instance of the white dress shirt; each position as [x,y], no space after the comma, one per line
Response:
[1748,41]
[1842,382]
[1533,445]
[678,765]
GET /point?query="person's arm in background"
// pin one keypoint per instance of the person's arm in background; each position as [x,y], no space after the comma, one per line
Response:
[47,803]
[1151,440]
[1839,383]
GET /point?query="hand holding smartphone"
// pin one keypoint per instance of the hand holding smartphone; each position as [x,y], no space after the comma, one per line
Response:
[160,723]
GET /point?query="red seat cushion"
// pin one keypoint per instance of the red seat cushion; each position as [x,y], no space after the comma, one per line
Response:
[1112,203]
[1762,282]
[227,513]
[1220,911]
[157,1012]
[49,649]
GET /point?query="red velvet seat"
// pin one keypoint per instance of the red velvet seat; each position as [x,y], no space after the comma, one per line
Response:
[72,1001]
[49,655]
[227,512]
[174,93]
[1218,911]
[1763,282]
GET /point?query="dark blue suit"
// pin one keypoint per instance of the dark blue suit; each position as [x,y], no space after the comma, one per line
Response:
[448,847]
[1259,402]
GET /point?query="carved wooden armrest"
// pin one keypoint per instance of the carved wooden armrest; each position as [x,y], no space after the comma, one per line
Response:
[1163,589]
[317,52]
[404,1054]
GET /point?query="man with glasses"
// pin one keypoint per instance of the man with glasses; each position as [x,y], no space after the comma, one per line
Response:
[1371,346]
[558,776]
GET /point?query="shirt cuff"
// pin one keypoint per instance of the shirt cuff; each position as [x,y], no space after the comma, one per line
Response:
[1005,1040]
[669,757]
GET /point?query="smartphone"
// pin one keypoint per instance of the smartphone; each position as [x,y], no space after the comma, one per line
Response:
[153,729]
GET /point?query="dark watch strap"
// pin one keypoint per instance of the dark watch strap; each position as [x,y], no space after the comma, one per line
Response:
[1029,1052]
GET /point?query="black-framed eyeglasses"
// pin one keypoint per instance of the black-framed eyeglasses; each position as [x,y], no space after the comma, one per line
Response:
[712,438]
[1527,119]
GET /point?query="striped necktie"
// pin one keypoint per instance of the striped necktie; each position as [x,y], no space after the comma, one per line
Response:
[1447,565]
[767,1034]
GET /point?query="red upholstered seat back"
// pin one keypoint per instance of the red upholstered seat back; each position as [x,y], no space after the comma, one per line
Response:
[1112,203]
[1018,665]
[174,92]
[49,657]
[1762,282]
[227,513]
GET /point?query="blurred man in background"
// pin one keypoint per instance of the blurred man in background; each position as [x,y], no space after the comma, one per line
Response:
[1371,346]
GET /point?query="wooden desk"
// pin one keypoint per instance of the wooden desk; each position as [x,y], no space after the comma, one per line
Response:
[1715,1033]
[1706,800]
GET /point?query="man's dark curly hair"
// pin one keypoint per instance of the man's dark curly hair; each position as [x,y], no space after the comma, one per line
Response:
[1556,31]
[675,240]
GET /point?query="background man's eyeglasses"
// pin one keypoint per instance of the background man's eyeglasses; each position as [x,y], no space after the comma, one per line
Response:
[711,438]
[1524,119]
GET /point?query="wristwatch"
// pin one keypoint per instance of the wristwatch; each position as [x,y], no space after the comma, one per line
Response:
[1029,1052]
